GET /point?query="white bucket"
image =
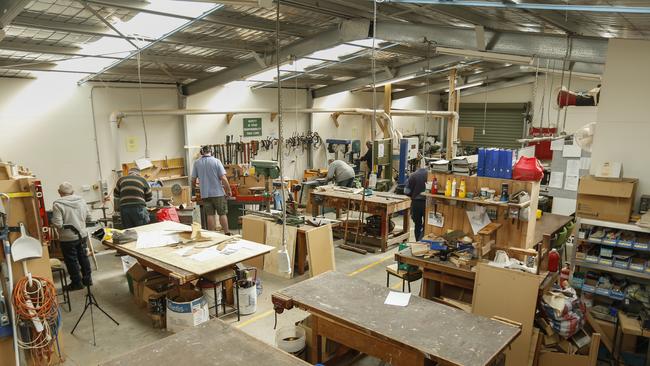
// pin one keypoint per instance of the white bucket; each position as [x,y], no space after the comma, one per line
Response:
[247,300]
[208,293]
[290,339]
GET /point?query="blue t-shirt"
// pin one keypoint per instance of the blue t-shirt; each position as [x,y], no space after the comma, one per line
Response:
[209,170]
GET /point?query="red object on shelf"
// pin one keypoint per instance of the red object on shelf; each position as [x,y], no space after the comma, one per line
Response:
[434,186]
[565,98]
[527,169]
[553,261]
[542,148]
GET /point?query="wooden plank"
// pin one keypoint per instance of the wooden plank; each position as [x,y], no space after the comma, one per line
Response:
[254,230]
[320,249]
[213,343]
[274,239]
[439,332]
[491,287]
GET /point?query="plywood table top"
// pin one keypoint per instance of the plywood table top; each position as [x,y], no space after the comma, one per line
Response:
[214,343]
[441,333]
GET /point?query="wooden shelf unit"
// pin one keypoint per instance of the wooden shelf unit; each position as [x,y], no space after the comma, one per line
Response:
[513,233]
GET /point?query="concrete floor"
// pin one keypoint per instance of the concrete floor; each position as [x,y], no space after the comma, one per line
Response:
[112,293]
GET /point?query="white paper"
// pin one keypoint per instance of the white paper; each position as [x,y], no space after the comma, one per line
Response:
[573,168]
[478,219]
[156,239]
[556,180]
[436,219]
[206,255]
[398,298]
[380,150]
[183,251]
[143,163]
[528,151]
[557,145]
[571,151]
[585,163]
[571,183]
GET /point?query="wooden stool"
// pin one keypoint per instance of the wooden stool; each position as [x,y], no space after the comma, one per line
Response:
[57,267]
[406,276]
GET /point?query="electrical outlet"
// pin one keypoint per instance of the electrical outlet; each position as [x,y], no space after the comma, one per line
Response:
[85,188]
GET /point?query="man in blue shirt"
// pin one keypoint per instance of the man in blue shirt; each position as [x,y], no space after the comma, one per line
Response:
[214,188]
[415,185]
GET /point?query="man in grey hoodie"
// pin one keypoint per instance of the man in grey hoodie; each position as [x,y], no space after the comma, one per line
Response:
[71,211]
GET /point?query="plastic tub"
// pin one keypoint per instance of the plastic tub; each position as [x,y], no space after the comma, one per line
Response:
[290,339]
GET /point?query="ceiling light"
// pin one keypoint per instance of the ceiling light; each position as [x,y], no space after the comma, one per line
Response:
[301,64]
[470,85]
[395,80]
[336,52]
[487,56]
[214,68]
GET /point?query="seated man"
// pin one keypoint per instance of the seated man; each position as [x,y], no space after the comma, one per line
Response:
[340,172]
[71,211]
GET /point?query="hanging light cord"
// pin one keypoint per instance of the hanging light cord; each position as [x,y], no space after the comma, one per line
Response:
[427,106]
[570,51]
[280,127]
[485,104]
[373,62]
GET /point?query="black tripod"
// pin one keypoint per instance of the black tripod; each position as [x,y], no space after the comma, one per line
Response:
[90,299]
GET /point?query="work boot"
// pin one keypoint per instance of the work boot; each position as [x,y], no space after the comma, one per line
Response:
[73,287]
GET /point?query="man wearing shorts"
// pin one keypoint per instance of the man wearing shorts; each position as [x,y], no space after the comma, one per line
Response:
[214,188]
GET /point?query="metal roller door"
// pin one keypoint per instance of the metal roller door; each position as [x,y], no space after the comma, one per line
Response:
[504,124]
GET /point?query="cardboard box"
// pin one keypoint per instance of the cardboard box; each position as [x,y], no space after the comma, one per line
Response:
[139,275]
[154,286]
[606,200]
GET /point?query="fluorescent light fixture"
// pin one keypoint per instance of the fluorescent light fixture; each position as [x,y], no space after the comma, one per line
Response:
[465,86]
[367,42]
[214,68]
[336,52]
[487,56]
[266,76]
[396,80]
[301,64]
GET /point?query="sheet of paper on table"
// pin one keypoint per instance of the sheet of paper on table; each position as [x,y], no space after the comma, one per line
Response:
[398,298]
[156,239]
[206,254]
[557,179]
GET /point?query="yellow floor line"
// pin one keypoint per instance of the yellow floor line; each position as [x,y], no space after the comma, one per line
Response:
[255,318]
[367,267]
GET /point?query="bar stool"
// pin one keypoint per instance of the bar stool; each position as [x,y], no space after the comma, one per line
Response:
[406,276]
[57,267]
[218,280]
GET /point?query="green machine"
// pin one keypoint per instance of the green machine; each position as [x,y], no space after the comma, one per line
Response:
[382,156]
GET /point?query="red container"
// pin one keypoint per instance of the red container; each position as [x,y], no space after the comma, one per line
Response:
[553,261]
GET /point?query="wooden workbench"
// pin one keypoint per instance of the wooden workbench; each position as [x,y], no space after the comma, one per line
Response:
[380,203]
[214,343]
[352,312]
[182,269]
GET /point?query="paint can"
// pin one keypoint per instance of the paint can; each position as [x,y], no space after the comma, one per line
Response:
[291,339]
[247,298]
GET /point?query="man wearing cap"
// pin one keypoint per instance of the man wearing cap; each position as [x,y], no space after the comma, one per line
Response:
[133,192]
[69,216]
[214,188]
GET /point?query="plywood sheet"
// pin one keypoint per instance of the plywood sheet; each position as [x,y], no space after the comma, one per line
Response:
[491,287]
[274,239]
[320,249]
[169,256]
[254,229]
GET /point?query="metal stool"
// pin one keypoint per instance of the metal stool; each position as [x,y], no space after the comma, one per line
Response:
[57,267]
[219,279]
[406,276]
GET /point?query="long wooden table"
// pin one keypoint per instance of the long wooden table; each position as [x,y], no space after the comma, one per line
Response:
[352,312]
[182,269]
[214,343]
[380,203]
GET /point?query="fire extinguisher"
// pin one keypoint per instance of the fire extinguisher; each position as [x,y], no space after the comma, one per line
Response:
[553,261]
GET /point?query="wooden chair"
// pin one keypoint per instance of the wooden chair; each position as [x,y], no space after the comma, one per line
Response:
[406,276]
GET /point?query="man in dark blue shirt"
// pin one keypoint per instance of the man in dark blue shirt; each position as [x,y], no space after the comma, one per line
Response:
[415,185]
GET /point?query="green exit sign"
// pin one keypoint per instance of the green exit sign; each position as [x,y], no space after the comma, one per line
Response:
[252,127]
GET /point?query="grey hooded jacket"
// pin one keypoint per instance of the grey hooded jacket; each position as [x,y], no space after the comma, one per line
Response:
[70,210]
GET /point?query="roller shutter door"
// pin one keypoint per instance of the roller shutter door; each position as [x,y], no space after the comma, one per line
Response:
[504,124]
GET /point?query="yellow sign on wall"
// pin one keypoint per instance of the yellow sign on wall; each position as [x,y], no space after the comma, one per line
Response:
[131,144]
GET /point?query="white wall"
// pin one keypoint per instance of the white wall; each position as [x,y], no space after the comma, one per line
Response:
[623,125]
[212,129]
[576,116]
[47,125]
